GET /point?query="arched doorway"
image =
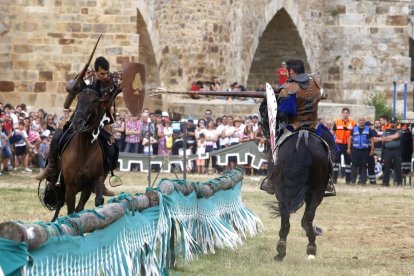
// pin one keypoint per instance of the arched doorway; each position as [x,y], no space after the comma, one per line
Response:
[279,41]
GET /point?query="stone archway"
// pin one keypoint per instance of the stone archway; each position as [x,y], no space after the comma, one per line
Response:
[305,34]
[146,53]
[149,42]
[280,40]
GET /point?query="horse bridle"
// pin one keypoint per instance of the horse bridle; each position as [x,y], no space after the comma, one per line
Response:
[101,114]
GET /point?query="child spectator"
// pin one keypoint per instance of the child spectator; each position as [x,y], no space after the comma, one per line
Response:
[4,148]
[201,149]
[43,152]
[147,143]
[169,141]
[21,148]
[36,125]
[378,167]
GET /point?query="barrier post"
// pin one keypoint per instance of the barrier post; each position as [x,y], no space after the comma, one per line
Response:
[412,85]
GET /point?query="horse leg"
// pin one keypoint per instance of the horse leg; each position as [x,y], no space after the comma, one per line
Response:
[283,232]
[317,230]
[99,199]
[55,216]
[70,199]
[60,198]
[86,193]
[307,224]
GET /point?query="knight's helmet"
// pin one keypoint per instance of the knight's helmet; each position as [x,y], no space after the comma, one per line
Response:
[74,86]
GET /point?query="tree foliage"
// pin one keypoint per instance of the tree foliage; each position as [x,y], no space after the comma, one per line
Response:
[378,101]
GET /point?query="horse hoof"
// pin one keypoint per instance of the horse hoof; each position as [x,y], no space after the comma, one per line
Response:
[281,248]
[99,202]
[278,258]
[311,257]
[311,250]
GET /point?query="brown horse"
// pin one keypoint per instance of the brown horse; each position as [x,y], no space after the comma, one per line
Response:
[82,161]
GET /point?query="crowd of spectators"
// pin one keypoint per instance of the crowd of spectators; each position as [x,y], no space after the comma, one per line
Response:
[25,137]
[369,151]
[156,134]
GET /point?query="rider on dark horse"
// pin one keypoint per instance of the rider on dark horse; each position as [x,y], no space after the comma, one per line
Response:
[297,109]
[102,84]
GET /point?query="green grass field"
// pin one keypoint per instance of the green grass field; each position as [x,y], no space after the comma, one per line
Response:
[367,230]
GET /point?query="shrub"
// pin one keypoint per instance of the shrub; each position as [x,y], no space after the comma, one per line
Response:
[377,100]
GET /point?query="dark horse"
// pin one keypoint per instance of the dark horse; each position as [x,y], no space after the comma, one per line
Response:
[300,176]
[82,161]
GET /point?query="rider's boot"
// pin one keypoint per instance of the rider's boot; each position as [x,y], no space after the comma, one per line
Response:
[329,139]
[107,192]
[51,170]
[330,188]
[267,184]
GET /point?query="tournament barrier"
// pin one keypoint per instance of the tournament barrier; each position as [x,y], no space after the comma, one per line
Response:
[133,234]
[241,151]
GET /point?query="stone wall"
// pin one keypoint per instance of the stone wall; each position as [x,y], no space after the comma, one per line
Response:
[45,43]
[358,47]
[279,41]
[366,47]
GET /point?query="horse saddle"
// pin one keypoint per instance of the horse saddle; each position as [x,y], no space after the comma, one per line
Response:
[301,132]
[110,152]
[287,134]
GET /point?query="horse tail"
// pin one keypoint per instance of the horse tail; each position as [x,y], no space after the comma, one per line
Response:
[296,174]
[53,196]
[274,208]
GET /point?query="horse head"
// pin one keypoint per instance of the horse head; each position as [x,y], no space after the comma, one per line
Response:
[89,110]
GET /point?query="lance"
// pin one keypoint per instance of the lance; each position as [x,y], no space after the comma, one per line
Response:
[73,86]
[237,94]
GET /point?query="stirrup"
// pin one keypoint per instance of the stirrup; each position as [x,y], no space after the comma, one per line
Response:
[57,184]
[330,189]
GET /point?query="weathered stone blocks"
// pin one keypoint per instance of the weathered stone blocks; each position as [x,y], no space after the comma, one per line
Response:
[39,87]
[45,76]
[46,41]
[6,86]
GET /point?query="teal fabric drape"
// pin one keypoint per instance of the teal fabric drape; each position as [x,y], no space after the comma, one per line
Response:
[139,242]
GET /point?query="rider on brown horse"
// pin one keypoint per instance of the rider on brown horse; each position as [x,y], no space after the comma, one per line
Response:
[103,84]
[298,107]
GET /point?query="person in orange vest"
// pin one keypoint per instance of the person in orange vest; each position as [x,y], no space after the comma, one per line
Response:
[384,123]
[342,129]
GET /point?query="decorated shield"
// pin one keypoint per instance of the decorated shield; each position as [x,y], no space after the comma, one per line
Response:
[272,114]
[133,86]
